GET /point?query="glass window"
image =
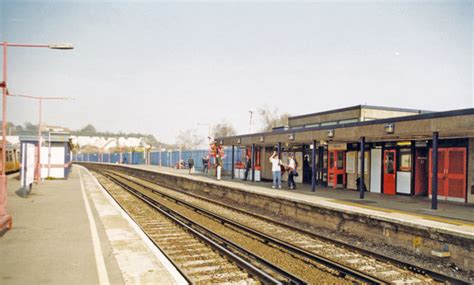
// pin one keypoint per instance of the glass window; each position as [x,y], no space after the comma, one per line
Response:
[348,121]
[405,160]
[331,159]
[311,125]
[340,160]
[296,127]
[389,163]
[328,123]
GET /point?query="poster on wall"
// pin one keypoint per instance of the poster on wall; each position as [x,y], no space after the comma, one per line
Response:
[366,164]
[350,162]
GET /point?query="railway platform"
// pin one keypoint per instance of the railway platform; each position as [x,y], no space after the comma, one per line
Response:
[72,232]
[451,215]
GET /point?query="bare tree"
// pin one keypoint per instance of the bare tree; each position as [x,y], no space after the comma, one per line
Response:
[272,118]
[224,129]
[189,139]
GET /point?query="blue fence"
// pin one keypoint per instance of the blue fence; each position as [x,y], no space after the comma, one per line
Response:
[164,158]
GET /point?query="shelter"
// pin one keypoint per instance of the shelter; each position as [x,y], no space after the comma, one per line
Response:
[55,156]
[397,144]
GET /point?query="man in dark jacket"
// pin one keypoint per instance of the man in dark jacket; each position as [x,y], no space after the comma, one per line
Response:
[248,166]
[205,164]
[191,165]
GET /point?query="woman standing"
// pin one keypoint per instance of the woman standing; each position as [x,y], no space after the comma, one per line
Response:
[219,165]
[291,172]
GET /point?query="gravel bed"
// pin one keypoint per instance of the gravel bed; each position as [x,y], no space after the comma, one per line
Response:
[199,262]
[355,260]
[307,270]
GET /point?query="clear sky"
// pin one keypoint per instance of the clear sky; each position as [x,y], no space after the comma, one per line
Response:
[161,67]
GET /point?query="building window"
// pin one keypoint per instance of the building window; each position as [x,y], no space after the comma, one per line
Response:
[340,159]
[296,127]
[389,161]
[328,123]
[348,121]
[311,126]
[331,159]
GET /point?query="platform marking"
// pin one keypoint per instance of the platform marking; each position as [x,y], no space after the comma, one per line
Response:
[426,217]
[99,258]
[151,246]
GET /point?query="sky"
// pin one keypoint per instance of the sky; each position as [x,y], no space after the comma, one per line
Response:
[165,67]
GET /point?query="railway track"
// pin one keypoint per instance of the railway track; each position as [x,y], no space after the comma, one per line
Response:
[436,276]
[345,262]
[198,262]
[260,269]
[278,266]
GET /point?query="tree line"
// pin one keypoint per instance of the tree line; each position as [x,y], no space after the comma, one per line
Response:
[186,139]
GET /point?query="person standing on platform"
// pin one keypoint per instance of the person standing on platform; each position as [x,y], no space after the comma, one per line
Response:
[276,170]
[205,164]
[248,166]
[219,165]
[191,165]
[291,172]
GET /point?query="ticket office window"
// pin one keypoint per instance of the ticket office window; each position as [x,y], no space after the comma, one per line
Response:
[404,160]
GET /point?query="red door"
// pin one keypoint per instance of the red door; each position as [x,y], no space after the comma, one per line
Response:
[389,171]
[451,173]
[336,168]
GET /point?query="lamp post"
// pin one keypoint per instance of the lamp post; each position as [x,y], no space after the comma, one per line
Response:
[251,120]
[5,219]
[40,111]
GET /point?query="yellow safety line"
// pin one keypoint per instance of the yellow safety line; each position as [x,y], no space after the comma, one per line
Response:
[427,217]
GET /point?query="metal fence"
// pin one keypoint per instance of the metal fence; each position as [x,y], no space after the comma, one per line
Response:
[162,158]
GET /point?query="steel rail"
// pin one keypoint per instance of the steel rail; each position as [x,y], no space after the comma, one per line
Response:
[413,268]
[223,244]
[289,247]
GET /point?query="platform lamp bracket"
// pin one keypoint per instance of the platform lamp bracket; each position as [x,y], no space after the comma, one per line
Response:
[330,133]
[389,128]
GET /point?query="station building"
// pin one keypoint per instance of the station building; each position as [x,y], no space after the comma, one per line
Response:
[397,143]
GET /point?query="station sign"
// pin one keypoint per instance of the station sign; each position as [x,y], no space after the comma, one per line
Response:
[337,146]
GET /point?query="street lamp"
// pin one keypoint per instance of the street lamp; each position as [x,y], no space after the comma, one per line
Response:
[5,219]
[251,120]
[40,100]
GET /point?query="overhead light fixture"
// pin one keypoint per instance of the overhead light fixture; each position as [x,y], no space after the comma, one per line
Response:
[330,133]
[389,128]
[61,46]
[261,138]
[239,140]
[291,137]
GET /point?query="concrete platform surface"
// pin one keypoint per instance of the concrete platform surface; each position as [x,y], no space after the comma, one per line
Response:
[72,232]
[452,218]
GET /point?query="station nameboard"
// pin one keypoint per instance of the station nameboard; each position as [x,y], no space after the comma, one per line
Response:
[337,146]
